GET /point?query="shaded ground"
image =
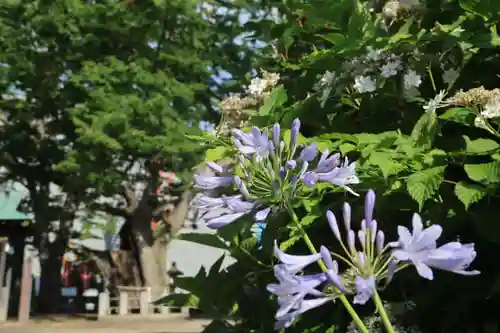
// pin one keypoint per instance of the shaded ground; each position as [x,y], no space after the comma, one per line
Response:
[172,323]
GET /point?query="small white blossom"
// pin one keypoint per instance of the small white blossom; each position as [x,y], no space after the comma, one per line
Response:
[436,102]
[492,109]
[391,9]
[391,68]
[411,79]
[479,122]
[450,75]
[327,79]
[365,84]
[257,86]
[373,55]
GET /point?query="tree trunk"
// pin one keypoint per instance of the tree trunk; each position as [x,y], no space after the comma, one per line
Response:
[143,253]
[49,299]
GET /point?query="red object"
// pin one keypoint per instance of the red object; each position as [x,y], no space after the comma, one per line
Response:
[85,275]
[66,274]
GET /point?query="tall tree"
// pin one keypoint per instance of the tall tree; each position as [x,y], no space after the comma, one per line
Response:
[98,97]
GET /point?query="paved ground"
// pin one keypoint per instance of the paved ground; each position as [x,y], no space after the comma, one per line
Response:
[172,324]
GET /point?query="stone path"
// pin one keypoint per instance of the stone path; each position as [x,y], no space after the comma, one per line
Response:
[171,324]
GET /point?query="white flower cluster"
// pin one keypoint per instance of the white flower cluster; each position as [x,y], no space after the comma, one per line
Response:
[491,110]
[260,86]
[236,109]
[394,8]
[369,73]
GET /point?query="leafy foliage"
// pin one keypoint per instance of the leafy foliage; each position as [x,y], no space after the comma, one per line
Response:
[419,148]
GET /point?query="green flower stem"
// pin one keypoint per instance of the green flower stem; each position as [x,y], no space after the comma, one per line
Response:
[323,267]
[383,314]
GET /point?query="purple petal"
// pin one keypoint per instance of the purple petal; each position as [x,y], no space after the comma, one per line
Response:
[364,289]
[294,133]
[276,134]
[369,206]
[216,167]
[291,165]
[294,263]
[347,216]
[308,153]
[241,186]
[380,241]
[310,179]
[332,221]
[262,214]
[391,270]
[211,182]
[424,271]
[221,221]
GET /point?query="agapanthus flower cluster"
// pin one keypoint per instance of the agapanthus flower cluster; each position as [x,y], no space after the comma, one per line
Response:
[369,262]
[270,171]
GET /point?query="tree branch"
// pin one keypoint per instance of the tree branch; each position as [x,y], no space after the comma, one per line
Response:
[110,209]
[130,198]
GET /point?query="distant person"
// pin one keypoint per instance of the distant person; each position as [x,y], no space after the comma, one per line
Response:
[173,273]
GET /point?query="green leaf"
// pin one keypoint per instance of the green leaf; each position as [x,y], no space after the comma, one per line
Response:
[216,154]
[214,270]
[480,146]
[487,9]
[423,185]
[463,116]
[249,244]
[334,38]
[211,240]
[347,147]
[289,242]
[425,130]
[277,98]
[487,173]
[179,300]
[308,219]
[469,193]
[386,164]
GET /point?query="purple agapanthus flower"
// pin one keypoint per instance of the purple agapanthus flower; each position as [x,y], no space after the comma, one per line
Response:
[293,263]
[218,212]
[255,142]
[452,257]
[330,169]
[207,180]
[420,249]
[292,291]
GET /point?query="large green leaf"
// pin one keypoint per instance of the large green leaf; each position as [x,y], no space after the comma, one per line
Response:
[423,185]
[387,165]
[425,130]
[211,240]
[480,146]
[463,116]
[277,98]
[469,193]
[487,173]
[216,154]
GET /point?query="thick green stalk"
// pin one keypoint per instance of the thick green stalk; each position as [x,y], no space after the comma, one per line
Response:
[323,267]
[383,314]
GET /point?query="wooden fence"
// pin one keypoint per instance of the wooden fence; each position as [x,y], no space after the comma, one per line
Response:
[132,301]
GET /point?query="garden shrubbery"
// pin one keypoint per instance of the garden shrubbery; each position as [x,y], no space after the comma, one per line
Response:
[399,97]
